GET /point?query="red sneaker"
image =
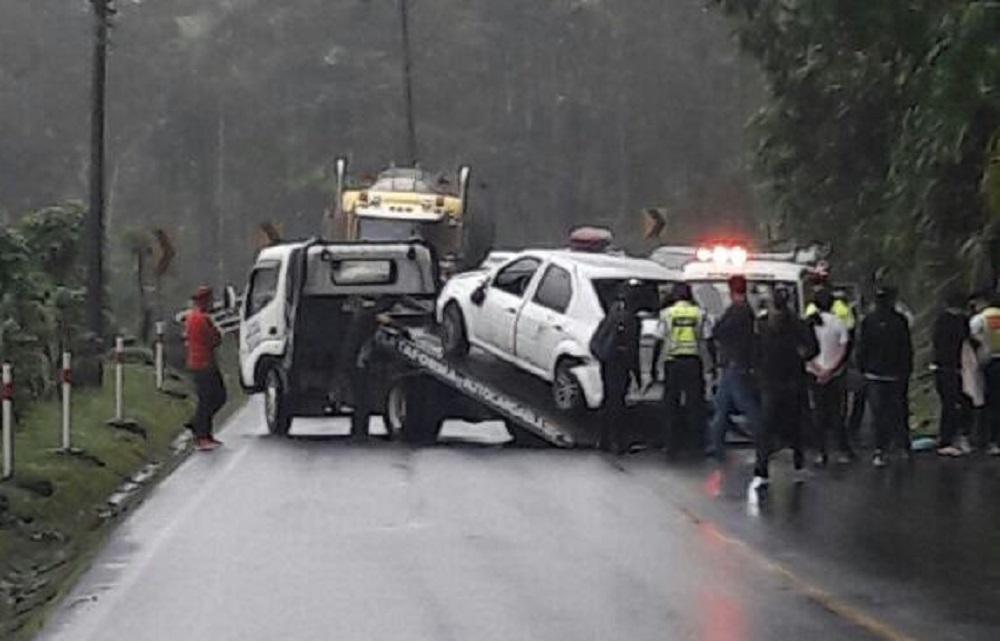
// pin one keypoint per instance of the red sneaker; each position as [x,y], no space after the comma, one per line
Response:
[205,445]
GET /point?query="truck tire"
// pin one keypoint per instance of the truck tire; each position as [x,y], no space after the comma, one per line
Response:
[276,405]
[567,393]
[421,419]
[454,336]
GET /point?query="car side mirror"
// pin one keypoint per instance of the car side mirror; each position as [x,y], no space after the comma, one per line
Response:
[478,296]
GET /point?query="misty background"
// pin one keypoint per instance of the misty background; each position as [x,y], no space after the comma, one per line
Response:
[226,114]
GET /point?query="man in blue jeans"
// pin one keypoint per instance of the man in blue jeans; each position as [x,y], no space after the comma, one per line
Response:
[736,393]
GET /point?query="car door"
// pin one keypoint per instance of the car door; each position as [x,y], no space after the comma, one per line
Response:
[264,328]
[503,302]
[543,325]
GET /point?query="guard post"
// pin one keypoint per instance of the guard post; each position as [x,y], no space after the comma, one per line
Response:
[158,355]
[66,376]
[7,398]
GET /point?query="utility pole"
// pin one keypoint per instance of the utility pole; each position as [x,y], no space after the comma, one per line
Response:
[95,218]
[411,126]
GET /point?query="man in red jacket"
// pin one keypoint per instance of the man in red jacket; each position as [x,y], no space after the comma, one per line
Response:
[202,339]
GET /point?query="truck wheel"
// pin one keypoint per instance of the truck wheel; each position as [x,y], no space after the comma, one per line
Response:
[566,390]
[276,411]
[422,420]
[454,336]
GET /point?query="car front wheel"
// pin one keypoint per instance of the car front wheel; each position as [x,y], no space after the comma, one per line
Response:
[453,333]
[566,390]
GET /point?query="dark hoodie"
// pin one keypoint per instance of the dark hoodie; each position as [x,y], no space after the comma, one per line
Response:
[885,351]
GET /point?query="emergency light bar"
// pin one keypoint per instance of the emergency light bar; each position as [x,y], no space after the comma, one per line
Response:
[723,255]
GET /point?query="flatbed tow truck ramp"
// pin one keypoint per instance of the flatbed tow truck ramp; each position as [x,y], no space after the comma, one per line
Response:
[504,393]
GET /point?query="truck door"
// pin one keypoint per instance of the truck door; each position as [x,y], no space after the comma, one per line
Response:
[543,324]
[264,328]
[504,300]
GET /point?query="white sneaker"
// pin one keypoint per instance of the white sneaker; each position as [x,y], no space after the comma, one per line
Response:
[993,450]
[879,460]
[949,450]
[964,445]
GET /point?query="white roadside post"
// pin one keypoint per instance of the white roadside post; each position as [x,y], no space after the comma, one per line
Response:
[119,379]
[158,355]
[119,420]
[67,391]
[7,396]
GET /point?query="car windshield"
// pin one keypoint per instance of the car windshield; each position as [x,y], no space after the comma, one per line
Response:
[713,295]
[651,293]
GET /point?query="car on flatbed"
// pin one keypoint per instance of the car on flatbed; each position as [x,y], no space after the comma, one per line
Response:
[538,310]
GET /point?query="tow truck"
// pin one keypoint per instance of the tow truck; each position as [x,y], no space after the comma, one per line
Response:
[341,328]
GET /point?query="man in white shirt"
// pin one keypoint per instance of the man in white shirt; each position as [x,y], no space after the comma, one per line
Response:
[828,390]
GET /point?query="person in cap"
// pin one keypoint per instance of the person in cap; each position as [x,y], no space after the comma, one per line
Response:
[615,344]
[735,344]
[684,332]
[985,329]
[202,339]
[885,355]
[786,344]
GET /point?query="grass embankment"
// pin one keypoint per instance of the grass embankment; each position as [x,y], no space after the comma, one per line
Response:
[54,513]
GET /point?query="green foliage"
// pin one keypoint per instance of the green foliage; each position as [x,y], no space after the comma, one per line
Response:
[876,130]
[41,294]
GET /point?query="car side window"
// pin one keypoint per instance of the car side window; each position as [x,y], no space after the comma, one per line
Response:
[514,278]
[263,287]
[555,290]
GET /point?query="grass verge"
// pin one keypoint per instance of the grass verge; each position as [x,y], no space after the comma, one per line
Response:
[54,513]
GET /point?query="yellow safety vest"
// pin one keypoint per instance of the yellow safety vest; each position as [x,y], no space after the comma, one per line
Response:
[840,309]
[991,316]
[683,322]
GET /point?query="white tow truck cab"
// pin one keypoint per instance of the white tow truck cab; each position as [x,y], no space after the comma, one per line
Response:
[308,318]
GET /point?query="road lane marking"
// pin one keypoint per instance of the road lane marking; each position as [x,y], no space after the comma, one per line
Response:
[811,591]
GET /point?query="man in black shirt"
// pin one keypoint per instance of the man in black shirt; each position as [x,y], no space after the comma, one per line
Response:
[734,340]
[951,331]
[786,344]
[615,344]
[885,354]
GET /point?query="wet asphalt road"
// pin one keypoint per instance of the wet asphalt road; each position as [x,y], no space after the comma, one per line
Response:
[316,538]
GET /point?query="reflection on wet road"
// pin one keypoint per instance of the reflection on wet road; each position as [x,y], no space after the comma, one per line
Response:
[317,538]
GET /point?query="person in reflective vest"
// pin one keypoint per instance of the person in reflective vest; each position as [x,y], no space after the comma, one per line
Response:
[684,332]
[985,329]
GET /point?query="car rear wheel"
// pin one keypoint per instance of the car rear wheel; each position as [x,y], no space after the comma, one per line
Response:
[566,389]
[276,411]
[454,336]
[421,417]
